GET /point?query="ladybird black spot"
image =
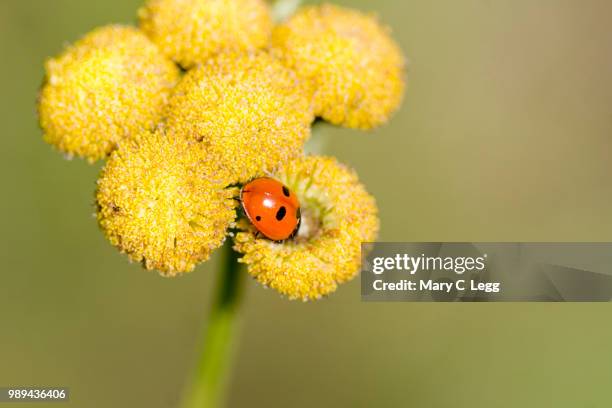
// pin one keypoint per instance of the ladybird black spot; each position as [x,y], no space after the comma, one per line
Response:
[280,214]
[286,191]
[258,218]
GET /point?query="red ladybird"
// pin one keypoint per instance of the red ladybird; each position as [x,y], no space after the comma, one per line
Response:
[272,208]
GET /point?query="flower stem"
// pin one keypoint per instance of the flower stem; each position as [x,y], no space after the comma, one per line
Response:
[210,377]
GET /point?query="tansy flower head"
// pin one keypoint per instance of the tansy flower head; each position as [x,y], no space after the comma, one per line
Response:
[107,87]
[250,112]
[158,203]
[337,215]
[191,31]
[356,67]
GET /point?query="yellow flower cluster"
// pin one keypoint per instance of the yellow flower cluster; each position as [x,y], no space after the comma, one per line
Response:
[156,203]
[179,148]
[109,86]
[250,111]
[337,216]
[192,31]
[356,67]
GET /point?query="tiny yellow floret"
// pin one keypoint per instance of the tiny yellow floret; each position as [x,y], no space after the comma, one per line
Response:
[158,202]
[192,31]
[251,112]
[107,87]
[338,215]
[356,67]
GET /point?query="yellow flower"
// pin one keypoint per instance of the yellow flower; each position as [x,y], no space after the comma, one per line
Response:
[337,216]
[108,86]
[191,31]
[250,112]
[158,202]
[355,66]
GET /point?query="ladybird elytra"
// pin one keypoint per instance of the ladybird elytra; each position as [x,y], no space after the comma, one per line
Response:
[271,207]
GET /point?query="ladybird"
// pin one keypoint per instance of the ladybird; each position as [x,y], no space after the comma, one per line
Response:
[271,207]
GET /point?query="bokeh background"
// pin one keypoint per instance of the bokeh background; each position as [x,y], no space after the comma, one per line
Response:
[505,135]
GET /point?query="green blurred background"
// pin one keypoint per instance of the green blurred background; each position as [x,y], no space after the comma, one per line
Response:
[505,135]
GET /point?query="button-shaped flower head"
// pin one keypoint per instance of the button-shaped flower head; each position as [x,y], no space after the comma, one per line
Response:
[356,67]
[251,112]
[157,203]
[191,31]
[107,87]
[338,215]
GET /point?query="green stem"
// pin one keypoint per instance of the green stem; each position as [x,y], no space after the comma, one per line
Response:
[210,377]
[318,140]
